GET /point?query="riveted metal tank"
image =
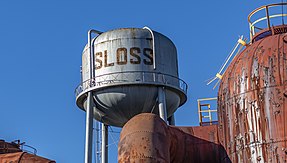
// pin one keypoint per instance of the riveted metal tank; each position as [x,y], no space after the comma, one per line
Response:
[129,66]
[252,104]
[14,152]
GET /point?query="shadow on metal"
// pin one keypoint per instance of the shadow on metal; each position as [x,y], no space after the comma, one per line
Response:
[146,138]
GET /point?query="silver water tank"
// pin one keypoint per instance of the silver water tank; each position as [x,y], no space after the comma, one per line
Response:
[129,66]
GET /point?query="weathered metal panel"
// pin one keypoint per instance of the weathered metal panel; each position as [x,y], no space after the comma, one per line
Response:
[252,103]
[23,157]
[202,145]
[11,152]
[8,147]
[30,158]
[131,49]
[124,70]
[10,157]
[146,138]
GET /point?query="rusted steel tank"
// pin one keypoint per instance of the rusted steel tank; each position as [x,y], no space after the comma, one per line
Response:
[146,138]
[11,152]
[6,147]
[23,157]
[252,99]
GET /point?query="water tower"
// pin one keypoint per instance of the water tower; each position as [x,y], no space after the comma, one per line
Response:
[126,72]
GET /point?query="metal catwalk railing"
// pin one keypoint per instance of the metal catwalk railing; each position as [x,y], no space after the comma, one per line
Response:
[132,77]
[205,111]
[265,18]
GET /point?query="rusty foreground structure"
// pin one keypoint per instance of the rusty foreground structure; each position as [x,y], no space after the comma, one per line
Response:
[252,110]
[143,92]
[11,153]
[147,138]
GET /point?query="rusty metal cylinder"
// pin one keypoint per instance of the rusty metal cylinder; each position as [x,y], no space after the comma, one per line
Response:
[146,138]
[252,101]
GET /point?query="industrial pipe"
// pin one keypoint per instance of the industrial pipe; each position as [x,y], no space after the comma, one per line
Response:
[89,106]
[147,138]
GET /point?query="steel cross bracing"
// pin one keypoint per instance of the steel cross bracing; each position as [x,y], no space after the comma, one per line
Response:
[98,140]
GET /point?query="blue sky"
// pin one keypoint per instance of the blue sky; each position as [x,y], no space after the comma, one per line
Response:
[41,44]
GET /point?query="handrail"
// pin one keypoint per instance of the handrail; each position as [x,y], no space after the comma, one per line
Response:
[208,110]
[153,46]
[254,24]
[131,77]
[89,108]
[27,150]
[91,48]
[263,18]
[135,72]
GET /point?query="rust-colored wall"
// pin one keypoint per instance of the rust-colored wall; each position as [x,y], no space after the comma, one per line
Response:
[252,103]
[146,138]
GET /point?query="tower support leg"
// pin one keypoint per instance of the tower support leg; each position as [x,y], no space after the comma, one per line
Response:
[162,103]
[104,143]
[171,120]
[89,129]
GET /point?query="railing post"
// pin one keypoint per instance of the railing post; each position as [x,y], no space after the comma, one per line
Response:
[251,31]
[267,16]
[199,112]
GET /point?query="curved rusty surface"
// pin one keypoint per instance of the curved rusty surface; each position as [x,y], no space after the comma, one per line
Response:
[23,157]
[147,139]
[252,103]
[11,152]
